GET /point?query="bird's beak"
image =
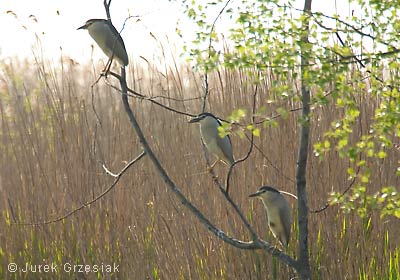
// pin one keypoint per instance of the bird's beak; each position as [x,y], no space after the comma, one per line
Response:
[195,119]
[255,194]
[82,27]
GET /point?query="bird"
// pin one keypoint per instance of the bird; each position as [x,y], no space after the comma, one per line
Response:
[108,39]
[278,213]
[219,146]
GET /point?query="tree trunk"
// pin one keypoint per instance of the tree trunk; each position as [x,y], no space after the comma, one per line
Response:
[303,267]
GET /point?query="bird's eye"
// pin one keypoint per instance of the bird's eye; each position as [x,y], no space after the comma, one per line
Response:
[272,225]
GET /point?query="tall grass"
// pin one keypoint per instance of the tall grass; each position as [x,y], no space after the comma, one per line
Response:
[55,132]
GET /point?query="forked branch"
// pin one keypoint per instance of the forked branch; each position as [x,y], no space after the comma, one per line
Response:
[255,244]
[88,203]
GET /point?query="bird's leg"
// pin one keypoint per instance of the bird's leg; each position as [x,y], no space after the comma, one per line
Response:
[212,165]
[212,173]
[279,246]
[276,245]
[107,68]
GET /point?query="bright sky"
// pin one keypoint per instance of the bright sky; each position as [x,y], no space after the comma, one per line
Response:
[57,21]
[59,30]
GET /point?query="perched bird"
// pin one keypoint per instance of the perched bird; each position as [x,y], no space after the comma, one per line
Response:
[107,37]
[221,147]
[278,213]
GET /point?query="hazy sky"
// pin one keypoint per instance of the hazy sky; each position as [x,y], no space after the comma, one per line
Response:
[57,21]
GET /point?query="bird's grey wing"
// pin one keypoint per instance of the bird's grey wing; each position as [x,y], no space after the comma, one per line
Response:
[112,44]
[226,145]
[116,33]
[286,221]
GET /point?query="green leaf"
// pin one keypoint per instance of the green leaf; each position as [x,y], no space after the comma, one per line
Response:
[257,132]
[381,154]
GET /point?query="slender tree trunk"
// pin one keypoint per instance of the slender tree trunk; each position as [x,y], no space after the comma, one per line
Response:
[301,173]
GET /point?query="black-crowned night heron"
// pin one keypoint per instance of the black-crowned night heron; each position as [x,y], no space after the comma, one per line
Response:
[108,39]
[278,213]
[219,146]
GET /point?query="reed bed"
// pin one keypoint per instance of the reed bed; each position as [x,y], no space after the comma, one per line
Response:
[56,130]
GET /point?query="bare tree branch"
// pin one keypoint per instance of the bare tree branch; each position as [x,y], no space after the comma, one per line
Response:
[327,204]
[255,244]
[323,208]
[253,114]
[356,29]
[86,204]
[276,116]
[206,90]
[107,8]
[163,174]
[270,161]
[234,206]
[135,94]
[359,61]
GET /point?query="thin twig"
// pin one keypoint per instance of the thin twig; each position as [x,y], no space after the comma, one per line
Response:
[206,90]
[183,100]
[251,142]
[107,8]
[93,103]
[276,116]
[359,61]
[135,94]
[323,208]
[270,162]
[86,204]
[356,29]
